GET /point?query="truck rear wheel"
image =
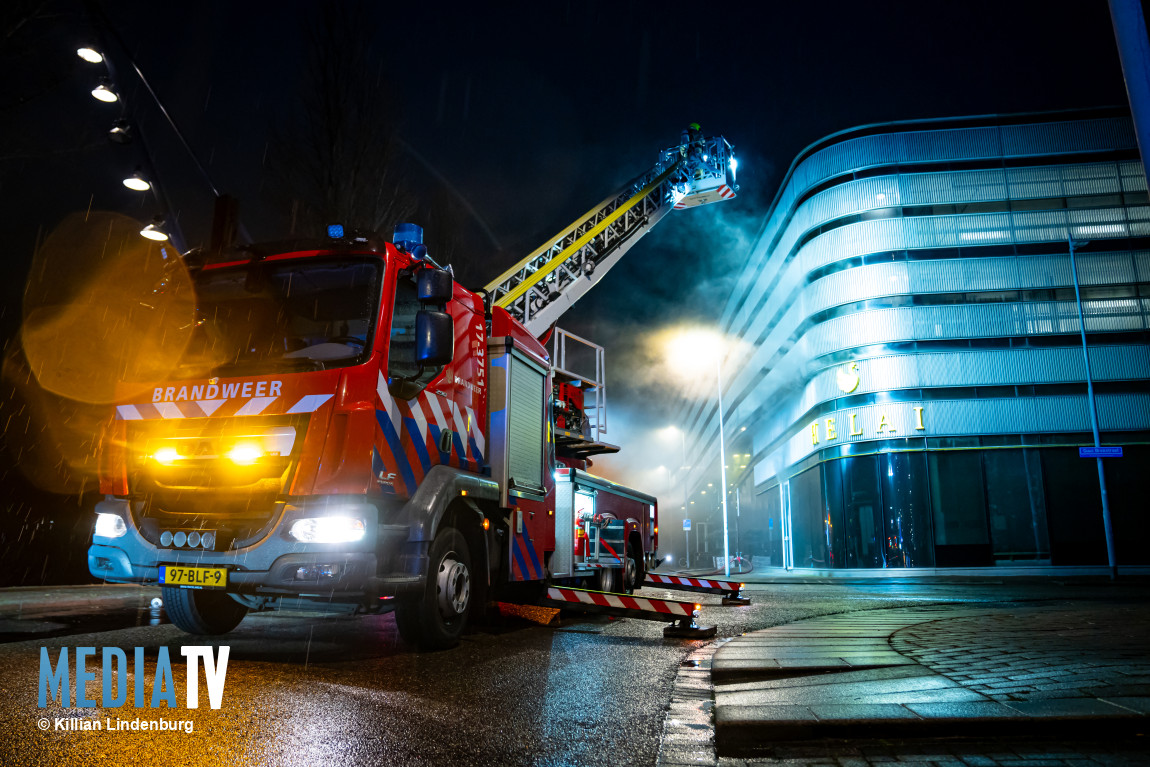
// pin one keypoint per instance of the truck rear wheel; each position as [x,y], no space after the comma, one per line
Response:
[436,618]
[609,579]
[631,575]
[197,611]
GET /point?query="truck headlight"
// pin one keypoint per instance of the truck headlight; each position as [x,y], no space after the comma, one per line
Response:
[110,526]
[328,530]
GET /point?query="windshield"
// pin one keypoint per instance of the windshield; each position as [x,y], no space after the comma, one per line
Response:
[306,314]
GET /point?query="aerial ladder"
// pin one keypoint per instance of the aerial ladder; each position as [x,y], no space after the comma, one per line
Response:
[548,282]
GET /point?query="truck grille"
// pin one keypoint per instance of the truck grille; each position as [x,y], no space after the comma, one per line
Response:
[223,477]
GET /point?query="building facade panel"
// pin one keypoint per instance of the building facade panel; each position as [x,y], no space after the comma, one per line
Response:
[906,386]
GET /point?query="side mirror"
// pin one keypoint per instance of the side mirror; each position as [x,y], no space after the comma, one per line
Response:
[434,338]
[434,286]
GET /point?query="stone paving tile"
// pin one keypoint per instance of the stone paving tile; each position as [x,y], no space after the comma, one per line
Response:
[743,651]
[953,753]
[851,692]
[1141,705]
[962,710]
[1042,662]
[1068,707]
[837,678]
[829,712]
[946,695]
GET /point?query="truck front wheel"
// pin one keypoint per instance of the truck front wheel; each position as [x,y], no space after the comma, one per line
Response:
[436,618]
[197,611]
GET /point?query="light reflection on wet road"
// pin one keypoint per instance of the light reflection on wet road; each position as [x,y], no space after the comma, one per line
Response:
[306,690]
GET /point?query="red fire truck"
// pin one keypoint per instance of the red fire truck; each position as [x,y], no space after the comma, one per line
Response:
[352,429]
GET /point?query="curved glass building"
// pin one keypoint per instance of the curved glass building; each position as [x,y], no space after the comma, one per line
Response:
[907,387]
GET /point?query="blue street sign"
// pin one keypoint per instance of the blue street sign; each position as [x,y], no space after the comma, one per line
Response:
[686,524]
[1107,451]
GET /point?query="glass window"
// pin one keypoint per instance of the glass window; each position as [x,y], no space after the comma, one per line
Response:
[990,206]
[1041,204]
[809,533]
[1126,487]
[862,511]
[401,350]
[296,314]
[758,520]
[906,509]
[1073,507]
[1095,201]
[833,513]
[773,539]
[406,376]
[958,501]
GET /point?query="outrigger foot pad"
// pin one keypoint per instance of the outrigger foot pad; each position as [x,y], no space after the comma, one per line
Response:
[736,600]
[692,630]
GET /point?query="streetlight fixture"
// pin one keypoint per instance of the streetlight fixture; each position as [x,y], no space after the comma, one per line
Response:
[136,182]
[103,92]
[120,132]
[155,230]
[90,55]
[697,349]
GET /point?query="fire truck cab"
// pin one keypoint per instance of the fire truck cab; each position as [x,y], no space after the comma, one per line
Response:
[352,429]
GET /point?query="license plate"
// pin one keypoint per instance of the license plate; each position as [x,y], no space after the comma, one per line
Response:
[198,577]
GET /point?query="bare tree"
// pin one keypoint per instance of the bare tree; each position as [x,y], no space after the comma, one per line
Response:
[336,152]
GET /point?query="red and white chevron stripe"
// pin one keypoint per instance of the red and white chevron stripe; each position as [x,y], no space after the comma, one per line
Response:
[603,599]
[234,406]
[429,407]
[700,583]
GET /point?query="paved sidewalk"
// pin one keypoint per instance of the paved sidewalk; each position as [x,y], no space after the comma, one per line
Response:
[1065,670]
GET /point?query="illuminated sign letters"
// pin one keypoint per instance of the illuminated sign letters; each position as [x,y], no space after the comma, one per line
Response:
[827,429]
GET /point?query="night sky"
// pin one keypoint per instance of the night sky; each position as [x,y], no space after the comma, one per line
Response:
[528,114]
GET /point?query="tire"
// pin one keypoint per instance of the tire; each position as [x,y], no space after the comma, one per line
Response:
[609,579]
[632,575]
[436,618]
[202,612]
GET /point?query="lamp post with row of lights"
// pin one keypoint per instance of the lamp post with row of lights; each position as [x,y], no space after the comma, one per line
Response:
[124,132]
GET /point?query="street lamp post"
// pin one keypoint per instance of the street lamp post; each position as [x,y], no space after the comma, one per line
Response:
[1093,418]
[723,465]
[683,487]
[691,350]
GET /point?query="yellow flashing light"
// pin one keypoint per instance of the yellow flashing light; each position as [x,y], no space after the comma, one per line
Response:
[166,456]
[245,454]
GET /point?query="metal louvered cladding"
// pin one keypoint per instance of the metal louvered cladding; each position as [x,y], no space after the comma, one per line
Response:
[852,154]
[801,267]
[525,453]
[517,391]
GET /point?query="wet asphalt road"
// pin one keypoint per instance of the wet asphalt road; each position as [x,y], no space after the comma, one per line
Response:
[304,690]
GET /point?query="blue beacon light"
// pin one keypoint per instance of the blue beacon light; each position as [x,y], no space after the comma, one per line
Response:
[335,231]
